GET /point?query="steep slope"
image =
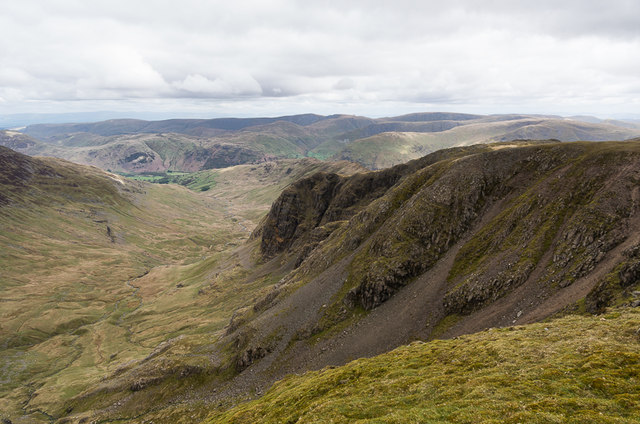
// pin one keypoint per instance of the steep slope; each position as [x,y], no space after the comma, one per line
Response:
[494,236]
[571,370]
[546,215]
[456,242]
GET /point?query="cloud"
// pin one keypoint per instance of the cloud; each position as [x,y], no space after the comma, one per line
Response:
[323,54]
[237,84]
[118,70]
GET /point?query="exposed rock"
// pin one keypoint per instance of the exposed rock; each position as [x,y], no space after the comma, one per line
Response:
[426,206]
[630,274]
[326,198]
[249,356]
[297,211]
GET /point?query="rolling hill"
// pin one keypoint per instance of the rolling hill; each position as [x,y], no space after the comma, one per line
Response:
[188,145]
[392,148]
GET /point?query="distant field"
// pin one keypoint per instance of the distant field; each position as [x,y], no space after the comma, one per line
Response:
[156,177]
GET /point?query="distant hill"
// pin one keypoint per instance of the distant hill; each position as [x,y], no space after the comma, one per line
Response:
[183,126]
[391,148]
[136,146]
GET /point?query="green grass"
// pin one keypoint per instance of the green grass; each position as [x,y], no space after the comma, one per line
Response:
[571,370]
[156,177]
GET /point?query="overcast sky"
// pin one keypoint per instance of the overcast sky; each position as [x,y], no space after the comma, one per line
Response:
[374,58]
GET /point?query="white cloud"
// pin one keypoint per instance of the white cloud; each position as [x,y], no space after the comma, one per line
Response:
[335,56]
[119,69]
[236,84]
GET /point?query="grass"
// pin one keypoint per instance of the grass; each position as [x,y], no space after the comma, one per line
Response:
[77,304]
[81,304]
[156,177]
[572,370]
[69,317]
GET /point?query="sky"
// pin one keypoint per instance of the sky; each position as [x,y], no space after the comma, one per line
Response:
[267,58]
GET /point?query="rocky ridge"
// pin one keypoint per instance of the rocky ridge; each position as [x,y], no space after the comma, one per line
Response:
[524,215]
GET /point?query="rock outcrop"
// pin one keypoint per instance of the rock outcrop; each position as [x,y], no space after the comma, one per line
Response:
[561,209]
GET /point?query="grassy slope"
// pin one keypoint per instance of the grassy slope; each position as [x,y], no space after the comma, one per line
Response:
[77,303]
[570,370]
[72,307]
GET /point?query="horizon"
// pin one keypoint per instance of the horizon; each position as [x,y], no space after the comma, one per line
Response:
[20,121]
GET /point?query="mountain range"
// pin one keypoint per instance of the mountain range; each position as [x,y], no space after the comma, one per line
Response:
[137,146]
[495,259]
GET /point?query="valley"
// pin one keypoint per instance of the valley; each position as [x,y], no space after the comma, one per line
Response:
[417,212]
[98,270]
[179,300]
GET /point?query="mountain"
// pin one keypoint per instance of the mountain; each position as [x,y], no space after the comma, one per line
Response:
[184,126]
[345,267]
[188,145]
[97,270]
[17,141]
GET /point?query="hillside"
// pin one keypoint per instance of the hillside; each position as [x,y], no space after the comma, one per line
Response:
[185,126]
[456,242]
[18,141]
[571,370]
[97,270]
[75,241]
[139,153]
[188,145]
[395,147]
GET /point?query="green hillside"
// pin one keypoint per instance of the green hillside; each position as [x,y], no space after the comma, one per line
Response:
[134,302]
[97,270]
[570,370]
